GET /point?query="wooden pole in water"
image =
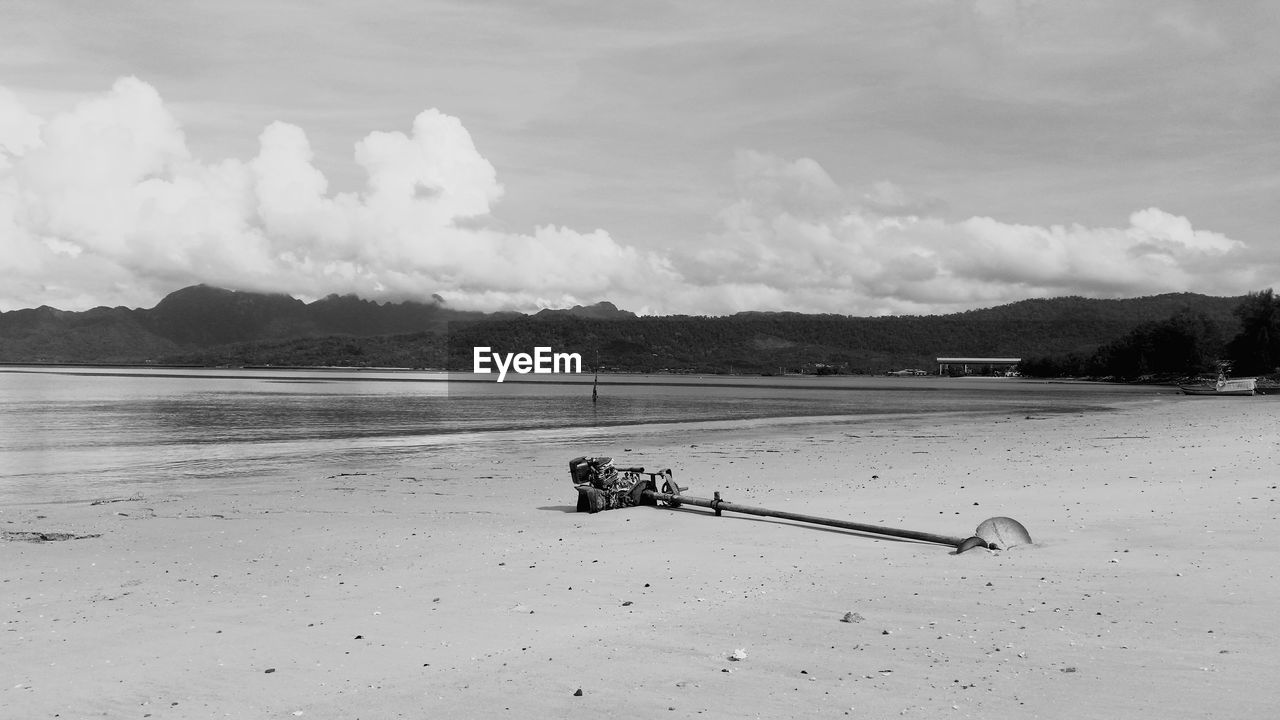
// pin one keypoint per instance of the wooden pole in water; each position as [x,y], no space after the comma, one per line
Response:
[719,505]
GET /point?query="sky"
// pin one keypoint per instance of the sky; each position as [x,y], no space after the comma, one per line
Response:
[694,157]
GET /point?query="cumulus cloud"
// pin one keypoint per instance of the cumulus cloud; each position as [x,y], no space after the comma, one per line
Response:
[795,240]
[105,204]
[19,129]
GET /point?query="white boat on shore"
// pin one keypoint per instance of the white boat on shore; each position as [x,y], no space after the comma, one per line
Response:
[1224,386]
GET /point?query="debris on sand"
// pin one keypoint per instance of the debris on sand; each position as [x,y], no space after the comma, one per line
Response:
[107,501]
[38,536]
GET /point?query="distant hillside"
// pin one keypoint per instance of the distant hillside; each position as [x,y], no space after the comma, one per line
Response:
[211,326]
[599,311]
[790,342]
[106,335]
[199,319]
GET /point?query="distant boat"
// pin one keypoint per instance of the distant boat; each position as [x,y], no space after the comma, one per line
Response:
[1233,386]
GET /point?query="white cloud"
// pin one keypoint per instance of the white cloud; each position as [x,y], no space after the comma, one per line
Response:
[795,240]
[19,128]
[105,204]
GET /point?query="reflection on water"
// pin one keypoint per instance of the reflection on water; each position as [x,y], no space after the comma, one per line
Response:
[93,427]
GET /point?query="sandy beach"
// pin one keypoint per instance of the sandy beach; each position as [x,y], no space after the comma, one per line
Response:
[463,584]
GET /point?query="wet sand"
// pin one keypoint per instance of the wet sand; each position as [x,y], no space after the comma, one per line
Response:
[465,585]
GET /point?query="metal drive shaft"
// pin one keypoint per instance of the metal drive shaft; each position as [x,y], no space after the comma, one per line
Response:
[719,505]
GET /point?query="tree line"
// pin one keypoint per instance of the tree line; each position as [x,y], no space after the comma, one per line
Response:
[1157,336]
[1189,342]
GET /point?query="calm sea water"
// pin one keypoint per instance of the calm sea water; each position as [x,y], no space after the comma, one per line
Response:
[83,432]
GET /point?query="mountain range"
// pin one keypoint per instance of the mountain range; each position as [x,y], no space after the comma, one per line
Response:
[203,325]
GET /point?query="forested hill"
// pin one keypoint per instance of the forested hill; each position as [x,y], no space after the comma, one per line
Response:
[205,320]
[210,326]
[790,342]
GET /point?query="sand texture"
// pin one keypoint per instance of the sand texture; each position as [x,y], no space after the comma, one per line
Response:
[463,585]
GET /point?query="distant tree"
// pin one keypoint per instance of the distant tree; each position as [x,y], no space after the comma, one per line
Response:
[1256,349]
[1068,365]
[1187,343]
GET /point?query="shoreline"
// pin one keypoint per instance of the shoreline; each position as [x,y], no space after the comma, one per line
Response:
[462,583]
[614,377]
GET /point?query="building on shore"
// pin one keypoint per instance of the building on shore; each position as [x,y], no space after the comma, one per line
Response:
[978,366]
